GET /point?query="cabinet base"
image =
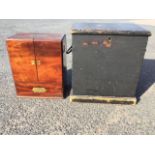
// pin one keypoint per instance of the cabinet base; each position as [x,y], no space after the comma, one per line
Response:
[103,99]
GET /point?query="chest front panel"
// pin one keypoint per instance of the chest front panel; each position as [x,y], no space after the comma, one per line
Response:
[107,70]
[22,58]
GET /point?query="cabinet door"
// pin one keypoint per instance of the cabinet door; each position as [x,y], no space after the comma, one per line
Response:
[22,59]
[49,62]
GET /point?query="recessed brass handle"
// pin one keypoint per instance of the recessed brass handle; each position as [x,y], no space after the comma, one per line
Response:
[39,90]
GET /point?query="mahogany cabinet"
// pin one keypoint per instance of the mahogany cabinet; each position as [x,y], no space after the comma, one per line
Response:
[38,63]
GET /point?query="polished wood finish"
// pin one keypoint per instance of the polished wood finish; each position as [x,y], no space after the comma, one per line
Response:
[48,53]
[37,62]
[52,89]
[21,53]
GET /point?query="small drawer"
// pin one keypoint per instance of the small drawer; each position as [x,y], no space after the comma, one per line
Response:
[38,90]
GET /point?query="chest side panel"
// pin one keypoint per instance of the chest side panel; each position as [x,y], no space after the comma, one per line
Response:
[49,63]
[22,59]
[107,71]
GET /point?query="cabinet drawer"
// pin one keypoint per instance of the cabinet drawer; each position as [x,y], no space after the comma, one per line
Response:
[39,89]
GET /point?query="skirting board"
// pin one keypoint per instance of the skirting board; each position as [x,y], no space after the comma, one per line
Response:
[103,99]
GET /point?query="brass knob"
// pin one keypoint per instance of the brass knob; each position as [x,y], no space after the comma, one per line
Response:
[33,62]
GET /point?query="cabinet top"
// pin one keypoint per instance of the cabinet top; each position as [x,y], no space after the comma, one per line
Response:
[37,36]
[110,29]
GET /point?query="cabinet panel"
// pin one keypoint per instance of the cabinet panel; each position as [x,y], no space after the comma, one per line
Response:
[49,62]
[22,59]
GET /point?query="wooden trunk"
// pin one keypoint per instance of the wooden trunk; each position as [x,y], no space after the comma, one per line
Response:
[107,60]
[37,62]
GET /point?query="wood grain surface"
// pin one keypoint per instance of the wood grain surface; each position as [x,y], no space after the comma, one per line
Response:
[37,61]
[26,89]
[21,53]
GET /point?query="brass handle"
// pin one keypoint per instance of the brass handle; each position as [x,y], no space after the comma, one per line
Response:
[39,90]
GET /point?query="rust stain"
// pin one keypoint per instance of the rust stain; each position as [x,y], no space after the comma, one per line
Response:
[94,43]
[107,43]
[85,44]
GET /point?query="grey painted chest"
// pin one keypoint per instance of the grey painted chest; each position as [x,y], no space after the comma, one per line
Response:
[107,60]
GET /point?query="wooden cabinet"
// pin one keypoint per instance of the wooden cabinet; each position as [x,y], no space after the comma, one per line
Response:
[37,62]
